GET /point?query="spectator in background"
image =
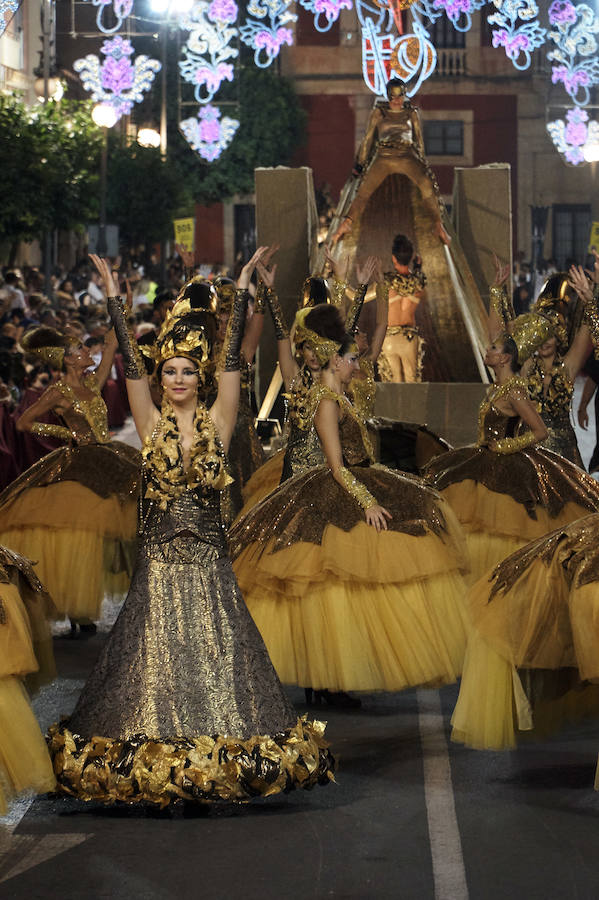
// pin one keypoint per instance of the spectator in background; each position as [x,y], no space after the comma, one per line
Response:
[12,290]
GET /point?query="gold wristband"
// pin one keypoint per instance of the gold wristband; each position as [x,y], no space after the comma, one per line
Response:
[512,445]
[260,298]
[44,429]
[355,308]
[358,491]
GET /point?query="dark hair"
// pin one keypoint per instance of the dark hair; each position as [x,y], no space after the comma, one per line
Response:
[509,346]
[402,249]
[395,82]
[316,291]
[326,321]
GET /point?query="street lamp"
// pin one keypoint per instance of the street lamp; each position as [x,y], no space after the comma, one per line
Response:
[148,137]
[105,117]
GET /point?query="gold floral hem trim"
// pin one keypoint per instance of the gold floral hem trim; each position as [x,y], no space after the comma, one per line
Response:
[201,770]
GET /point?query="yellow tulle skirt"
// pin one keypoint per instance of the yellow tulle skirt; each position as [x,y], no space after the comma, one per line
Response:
[263,481]
[82,544]
[496,525]
[24,760]
[360,611]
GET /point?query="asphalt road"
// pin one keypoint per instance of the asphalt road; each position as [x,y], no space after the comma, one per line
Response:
[411,816]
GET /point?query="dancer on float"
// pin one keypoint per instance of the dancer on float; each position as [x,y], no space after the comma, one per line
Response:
[533,655]
[393,145]
[504,489]
[24,761]
[551,371]
[75,510]
[350,595]
[184,690]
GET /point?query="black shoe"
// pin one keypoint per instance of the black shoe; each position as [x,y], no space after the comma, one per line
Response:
[337,698]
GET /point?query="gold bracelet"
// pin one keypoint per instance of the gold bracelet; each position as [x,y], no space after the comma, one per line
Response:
[358,491]
[512,445]
[44,429]
[260,298]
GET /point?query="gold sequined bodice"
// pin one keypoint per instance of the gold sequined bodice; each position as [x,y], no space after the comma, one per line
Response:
[87,420]
[395,127]
[355,443]
[363,390]
[552,400]
[493,424]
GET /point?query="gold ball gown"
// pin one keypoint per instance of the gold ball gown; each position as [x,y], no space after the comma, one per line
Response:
[75,511]
[184,703]
[24,761]
[533,656]
[339,605]
[503,500]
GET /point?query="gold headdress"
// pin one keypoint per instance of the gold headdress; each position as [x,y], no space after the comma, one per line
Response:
[553,302]
[183,333]
[324,348]
[528,332]
[199,293]
[316,290]
[225,290]
[49,345]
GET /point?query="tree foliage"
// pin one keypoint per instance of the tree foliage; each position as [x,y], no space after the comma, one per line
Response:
[49,156]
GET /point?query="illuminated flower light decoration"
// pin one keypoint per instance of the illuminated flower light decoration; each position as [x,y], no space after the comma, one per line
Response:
[573,33]
[325,12]
[118,80]
[266,39]
[518,32]
[120,8]
[458,11]
[208,47]
[570,136]
[7,9]
[208,134]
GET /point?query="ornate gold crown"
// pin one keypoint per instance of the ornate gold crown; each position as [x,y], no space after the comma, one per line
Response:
[528,332]
[187,293]
[307,289]
[225,290]
[552,302]
[182,335]
[51,352]
[324,348]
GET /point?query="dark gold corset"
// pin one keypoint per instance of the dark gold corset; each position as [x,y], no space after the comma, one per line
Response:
[195,514]
[303,451]
[497,425]
[87,420]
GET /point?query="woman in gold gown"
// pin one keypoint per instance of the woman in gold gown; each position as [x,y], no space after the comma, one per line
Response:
[505,489]
[184,703]
[24,761]
[75,510]
[348,595]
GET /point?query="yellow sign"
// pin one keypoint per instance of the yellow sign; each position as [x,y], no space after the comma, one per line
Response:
[594,238]
[185,232]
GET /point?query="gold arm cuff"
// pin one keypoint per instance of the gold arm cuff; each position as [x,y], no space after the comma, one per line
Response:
[338,289]
[358,491]
[281,330]
[260,298]
[500,303]
[512,445]
[355,308]
[44,429]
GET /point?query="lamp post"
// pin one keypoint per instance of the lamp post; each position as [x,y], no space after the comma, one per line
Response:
[105,117]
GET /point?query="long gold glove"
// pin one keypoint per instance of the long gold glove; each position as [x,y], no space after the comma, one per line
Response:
[353,313]
[513,444]
[260,298]
[501,304]
[281,330]
[232,344]
[45,429]
[133,362]
[358,491]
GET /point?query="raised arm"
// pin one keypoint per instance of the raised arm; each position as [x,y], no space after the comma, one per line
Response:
[500,307]
[287,363]
[326,421]
[255,326]
[224,409]
[145,415]
[50,399]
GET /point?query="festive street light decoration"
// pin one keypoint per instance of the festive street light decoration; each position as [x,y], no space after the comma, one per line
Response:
[518,31]
[572,135]
[209,46]
[325,12]
[209,134]
[459,12]
[266,33]
[574,30]
[120,10]
[7,9]
[117,80]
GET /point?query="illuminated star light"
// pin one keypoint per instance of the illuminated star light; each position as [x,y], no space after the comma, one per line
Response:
[208,134]
[571,136]
[118,80]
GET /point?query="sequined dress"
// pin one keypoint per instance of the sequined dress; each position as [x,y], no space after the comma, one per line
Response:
[504,500]
[24,761]
[339,605]
[183,703]
[533,656]
[553,402]
[75,510]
